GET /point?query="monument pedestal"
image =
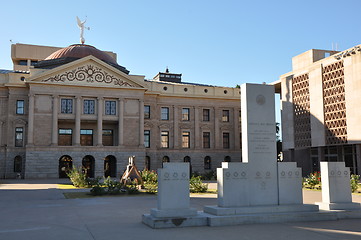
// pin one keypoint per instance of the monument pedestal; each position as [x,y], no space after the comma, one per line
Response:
[197,220]
[339,206]
[187,212]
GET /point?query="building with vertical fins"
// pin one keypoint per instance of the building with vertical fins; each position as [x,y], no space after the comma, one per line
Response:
[320,109]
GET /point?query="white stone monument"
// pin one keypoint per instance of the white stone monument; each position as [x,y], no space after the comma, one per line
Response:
[173,209]
[258,184]
[336,189]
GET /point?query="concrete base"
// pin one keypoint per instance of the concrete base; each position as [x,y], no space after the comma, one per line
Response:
[223,211]
[171,222]
[173,213]
[339,206]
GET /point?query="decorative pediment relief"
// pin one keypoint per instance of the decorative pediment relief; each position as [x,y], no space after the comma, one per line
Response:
[185,126]
[225,128]
[20,121]
[88,73]
[205,127]
[148,124]
[165,126]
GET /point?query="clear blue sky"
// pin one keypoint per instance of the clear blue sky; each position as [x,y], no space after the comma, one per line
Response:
[222,43]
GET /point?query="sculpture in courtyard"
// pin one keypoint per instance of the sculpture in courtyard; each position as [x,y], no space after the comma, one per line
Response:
[81,26]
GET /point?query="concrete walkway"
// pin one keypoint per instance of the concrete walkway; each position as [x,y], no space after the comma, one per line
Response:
[37,209]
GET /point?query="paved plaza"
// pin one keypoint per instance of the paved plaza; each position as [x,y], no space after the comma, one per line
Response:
[37,209]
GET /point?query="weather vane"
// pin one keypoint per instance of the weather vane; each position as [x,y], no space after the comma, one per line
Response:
[81,26]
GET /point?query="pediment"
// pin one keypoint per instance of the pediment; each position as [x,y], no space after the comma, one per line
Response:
[88,71]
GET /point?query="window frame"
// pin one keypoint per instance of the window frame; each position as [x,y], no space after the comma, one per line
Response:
[186,138]
[225,115]
[146,111]
[18,107]
[206,140]
[186,114]
[226,140]
[164,115]
[19,142]
[164,139]
[66,105]
[110,107]
[147,138]
[206,116]
[87,106]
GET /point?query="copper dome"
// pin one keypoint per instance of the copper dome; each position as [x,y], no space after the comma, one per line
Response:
[80,51]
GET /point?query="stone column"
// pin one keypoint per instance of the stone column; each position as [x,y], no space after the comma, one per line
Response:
[54,135]
[216,137]
[197,139]
[31,120]
[120,122]
[141,123]
[1,132]
[237,145]
[77,121]
[175,128]
[100,122]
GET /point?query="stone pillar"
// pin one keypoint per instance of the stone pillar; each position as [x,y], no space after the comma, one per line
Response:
[54,135]
[216,137]
[141,123]
[197,139]
[31,120]
[120,122]
[1,132]
[175,128]
[77,121]
[100,122]
[237,144]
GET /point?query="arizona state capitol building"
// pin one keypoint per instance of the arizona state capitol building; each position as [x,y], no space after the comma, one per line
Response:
[76,106]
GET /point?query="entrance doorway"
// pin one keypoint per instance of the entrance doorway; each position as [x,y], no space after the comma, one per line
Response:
[65,165]
[88,163]
[110,166]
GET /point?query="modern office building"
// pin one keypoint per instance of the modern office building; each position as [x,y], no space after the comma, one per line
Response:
[320,109]
[76,106]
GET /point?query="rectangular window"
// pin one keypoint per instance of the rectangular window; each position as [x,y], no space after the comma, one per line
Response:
[110,108]
[19,137]
[206,115]
[164,113]
[146,111]
[226,140]
[164,139]
[89,107]
[240,117]
[20,107]
[185,140]
[225,116]
[206,139]
[65,137]
[66,105]
[108,137]
[185,114]
[86,137]
[147,138]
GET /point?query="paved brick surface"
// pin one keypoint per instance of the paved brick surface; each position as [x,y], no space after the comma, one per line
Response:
[36,209]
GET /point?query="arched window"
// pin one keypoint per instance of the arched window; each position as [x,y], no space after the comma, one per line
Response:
[188,159]
[65,165]
[18,162]
[147,163]
[165,159]
[227,159]
[207,162]
[110,166]
[88,163]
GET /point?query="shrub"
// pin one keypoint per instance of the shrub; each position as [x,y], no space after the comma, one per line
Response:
[151,187]
[132,187]
[97,190]
[313,180]
[112,187]
[149,176]
[77,177]
[354,182]
[197,186]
